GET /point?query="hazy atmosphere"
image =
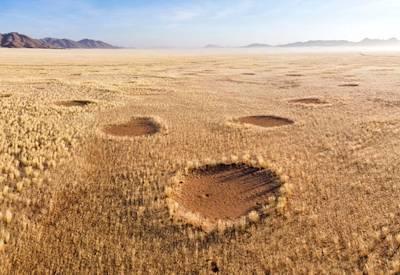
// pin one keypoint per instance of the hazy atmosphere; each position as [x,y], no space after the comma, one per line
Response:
[177,23]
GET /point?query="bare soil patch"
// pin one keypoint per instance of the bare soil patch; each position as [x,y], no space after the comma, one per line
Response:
[349,85]
[266,121]
[227,191]
[133,128]
[309,100]
[75,103]
[288,84]
[294,75]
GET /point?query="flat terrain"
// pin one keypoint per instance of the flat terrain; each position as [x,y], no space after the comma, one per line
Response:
[75,198]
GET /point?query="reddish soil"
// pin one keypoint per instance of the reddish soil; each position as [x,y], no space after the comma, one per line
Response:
[266,121]
[135,127]
[227,191]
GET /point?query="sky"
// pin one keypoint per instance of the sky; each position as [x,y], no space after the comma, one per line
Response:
[196,23]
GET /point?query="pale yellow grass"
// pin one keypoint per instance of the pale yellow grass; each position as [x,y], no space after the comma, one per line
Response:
[73,200]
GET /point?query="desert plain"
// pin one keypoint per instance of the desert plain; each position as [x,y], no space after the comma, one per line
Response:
[199,162]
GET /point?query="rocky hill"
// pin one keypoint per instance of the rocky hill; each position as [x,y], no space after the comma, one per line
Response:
[81,44]
[17,40]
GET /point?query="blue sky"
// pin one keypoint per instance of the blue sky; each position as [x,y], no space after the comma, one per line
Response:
[195,23]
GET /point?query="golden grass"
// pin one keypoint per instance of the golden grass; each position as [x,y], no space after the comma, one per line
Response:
[76,201]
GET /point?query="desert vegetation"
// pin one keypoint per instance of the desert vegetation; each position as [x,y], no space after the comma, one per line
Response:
[158,163]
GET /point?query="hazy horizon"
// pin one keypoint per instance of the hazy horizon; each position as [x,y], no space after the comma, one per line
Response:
[192,24]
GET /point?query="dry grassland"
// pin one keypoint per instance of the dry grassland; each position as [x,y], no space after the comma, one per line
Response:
[149,162]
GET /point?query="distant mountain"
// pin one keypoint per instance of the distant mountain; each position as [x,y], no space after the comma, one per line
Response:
[95,44]
[213,46]
[320,43]
[16,40]
[82,44]
[367,42]
[379,42]
[257,45]
[61,43]
[345,43]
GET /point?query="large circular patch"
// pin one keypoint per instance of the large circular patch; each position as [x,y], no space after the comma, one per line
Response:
[265,121]
[75,103]
[309,101]
[133,128]
[227,191]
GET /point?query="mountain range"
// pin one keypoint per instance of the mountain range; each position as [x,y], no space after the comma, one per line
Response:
[367,42]
[17,40]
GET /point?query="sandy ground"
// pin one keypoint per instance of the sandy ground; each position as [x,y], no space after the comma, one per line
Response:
[76,201]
